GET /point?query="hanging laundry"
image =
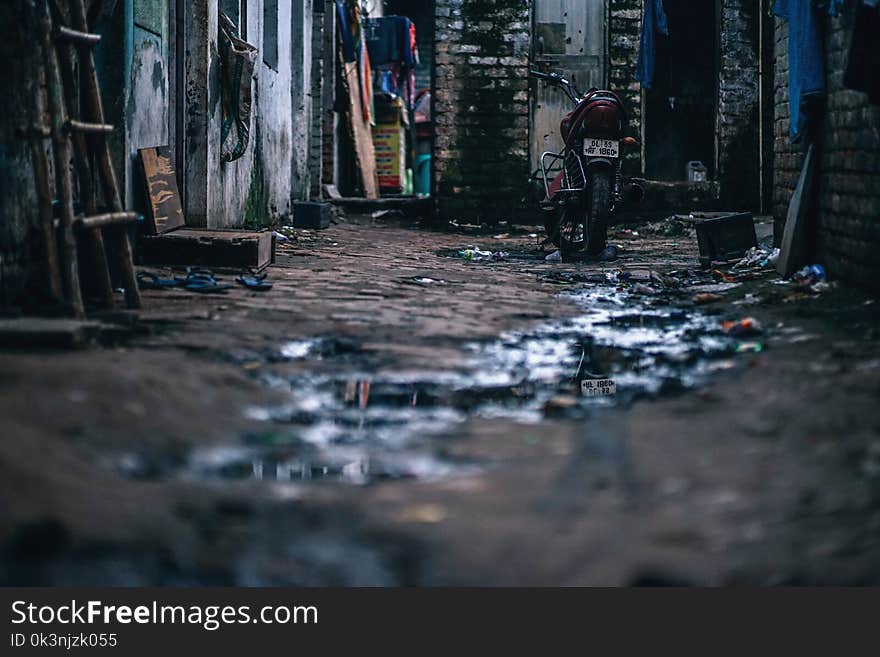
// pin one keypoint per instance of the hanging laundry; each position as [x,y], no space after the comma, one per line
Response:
[654,24]
[806,69]
[863,66]
[391,41]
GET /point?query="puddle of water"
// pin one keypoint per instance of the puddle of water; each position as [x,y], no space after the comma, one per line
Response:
[357,427]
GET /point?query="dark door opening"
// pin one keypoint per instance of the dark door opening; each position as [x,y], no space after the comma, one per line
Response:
[680,106]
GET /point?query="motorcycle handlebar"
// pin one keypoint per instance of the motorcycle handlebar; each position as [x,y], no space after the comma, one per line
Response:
[543,76]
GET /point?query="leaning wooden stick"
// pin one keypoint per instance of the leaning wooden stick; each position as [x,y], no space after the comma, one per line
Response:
[95,240]
[62,152]
[92,101]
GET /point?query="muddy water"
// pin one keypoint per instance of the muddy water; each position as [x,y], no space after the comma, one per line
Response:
[349,422]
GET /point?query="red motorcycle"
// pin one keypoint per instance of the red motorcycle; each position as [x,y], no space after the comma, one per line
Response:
[583,183]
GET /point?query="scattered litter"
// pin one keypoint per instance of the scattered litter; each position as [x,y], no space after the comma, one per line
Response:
[758,255]
[706,297]
[749,348]
[748,300]
[476,254]
[743,327]
[281,237]
[556,256]
[715,288]
[809,275]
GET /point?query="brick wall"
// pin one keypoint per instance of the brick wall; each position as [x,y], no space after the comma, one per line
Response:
[624,33]
[737,119]
[316,136]
[848,230]
[481,107]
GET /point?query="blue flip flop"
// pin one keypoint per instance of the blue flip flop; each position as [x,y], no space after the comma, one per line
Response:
[150,281]
[254,282]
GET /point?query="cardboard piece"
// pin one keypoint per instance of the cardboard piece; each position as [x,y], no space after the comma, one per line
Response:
[164,212]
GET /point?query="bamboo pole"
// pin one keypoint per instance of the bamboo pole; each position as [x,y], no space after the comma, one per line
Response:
[92,101]
[94,238]
[62,152]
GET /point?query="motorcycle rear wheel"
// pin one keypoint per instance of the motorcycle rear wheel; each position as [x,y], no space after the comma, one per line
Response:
[599,211]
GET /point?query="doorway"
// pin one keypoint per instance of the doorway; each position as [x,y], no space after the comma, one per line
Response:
[680,107]
[568,37]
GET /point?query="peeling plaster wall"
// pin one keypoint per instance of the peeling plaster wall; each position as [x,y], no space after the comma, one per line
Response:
[258,188]
[269,198]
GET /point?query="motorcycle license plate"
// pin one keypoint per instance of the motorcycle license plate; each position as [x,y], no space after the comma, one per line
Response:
[601,147]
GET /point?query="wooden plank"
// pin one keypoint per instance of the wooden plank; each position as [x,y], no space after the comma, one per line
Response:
[361,131]
[45,333]
[165,212]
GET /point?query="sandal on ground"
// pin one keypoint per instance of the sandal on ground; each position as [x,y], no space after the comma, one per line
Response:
[254,282]
[150,281]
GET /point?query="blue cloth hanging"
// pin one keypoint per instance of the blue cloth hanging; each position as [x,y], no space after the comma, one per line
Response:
[653,24]
[348,50]
[806,68]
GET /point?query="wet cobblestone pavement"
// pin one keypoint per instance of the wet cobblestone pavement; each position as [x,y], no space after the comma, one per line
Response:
[391,413]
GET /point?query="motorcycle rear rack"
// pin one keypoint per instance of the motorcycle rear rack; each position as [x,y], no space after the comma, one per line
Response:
[566,178]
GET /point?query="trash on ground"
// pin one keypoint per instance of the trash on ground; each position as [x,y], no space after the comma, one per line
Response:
[706,297]
[743,327]
[475,254]
[810,275]
[749,348]
[760,256]
[556,256]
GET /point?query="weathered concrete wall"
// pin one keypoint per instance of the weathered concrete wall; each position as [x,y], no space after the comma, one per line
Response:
[848,231]
[269,194]
[481,108]
[258,188]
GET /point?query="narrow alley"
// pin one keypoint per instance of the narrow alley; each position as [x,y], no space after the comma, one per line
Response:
[440,293]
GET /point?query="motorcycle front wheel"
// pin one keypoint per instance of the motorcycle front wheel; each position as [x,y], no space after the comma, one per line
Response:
[567,227]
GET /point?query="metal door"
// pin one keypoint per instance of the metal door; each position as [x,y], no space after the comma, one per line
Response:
[568,36]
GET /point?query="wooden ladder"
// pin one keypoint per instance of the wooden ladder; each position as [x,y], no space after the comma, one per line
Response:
[79,133]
